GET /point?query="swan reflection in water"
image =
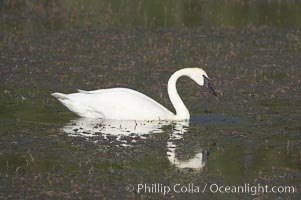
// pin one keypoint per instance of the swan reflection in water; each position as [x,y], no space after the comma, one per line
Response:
[85,127]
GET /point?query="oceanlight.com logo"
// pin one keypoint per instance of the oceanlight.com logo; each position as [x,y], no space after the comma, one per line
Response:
[252,189]
[158,188]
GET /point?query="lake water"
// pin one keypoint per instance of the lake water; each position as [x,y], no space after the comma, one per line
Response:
[248,136]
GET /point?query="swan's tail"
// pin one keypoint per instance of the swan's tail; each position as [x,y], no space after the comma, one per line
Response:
[60,96]
[65,100]
[74,105]
[68,102]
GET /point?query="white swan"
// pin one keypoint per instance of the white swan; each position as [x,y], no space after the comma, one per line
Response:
[127,104]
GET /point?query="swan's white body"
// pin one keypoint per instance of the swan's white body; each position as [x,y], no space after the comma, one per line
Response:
[115,103]
[128,104]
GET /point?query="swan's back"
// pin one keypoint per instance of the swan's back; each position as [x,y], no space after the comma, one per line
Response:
[115,103]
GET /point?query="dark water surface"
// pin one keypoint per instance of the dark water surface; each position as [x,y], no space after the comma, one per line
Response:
[250,134]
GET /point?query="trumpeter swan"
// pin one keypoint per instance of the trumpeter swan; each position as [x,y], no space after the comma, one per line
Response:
[128,104]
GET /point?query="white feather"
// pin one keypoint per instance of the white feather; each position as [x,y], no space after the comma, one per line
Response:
[128,104]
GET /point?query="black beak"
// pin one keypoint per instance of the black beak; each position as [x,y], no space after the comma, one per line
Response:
[209,86]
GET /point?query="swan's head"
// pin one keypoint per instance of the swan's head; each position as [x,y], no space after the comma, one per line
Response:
[201,78]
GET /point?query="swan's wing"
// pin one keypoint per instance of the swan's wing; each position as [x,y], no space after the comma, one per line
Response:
[119,103]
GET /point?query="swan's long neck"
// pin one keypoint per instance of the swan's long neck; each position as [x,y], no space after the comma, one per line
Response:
[182,112]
